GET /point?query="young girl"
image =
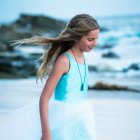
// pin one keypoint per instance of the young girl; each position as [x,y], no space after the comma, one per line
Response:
[69,115]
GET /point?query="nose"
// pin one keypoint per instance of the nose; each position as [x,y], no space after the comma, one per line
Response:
[94,43]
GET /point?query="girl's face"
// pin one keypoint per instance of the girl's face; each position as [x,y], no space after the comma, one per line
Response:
[87,42]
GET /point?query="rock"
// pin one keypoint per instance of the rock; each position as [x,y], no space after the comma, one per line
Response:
[3,47]
[110,55]
[38,24]
[18,63]
[104,86]
[27,26]
[134,66]
[92,68]
[21,69]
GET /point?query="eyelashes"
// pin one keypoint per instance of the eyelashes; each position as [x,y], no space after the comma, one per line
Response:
[91,39]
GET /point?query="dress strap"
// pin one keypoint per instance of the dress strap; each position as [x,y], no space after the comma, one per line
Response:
[68,55]
[71,58]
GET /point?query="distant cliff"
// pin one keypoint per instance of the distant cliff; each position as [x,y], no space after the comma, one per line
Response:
[28,25]
[15,63]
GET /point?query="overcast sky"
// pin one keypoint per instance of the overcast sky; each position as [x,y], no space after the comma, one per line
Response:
[65,9]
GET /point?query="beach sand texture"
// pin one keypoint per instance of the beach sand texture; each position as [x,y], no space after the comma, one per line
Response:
[117,113]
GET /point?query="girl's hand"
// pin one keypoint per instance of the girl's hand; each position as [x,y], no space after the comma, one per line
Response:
[45,137]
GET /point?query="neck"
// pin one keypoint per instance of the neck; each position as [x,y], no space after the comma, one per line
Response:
[79,53]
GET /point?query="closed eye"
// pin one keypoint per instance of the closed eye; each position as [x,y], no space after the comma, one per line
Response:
[92,39]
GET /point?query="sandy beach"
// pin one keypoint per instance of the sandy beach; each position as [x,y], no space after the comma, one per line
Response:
[117,119]
[117,113]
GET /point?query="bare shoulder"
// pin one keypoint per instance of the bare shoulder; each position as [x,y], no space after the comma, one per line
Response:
[59,68]
[62,59]
[62,63]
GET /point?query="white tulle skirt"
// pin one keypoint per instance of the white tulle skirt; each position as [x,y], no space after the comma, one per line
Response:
[68,121]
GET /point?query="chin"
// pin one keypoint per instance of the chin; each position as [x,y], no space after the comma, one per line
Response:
[87,50]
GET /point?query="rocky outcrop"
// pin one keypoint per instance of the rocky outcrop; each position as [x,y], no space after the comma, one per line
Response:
[110,55]
[105,86]
[28,25]
[133,66]
[15,63]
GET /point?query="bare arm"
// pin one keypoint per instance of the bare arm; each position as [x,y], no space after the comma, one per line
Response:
[60,67]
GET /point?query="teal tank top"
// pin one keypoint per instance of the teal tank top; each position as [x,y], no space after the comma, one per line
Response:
[69,85]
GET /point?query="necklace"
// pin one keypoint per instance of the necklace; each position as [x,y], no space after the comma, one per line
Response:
[82,83]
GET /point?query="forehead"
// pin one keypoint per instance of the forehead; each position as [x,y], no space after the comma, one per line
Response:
[93,34]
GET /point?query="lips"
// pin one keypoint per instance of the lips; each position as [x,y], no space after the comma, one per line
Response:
[90,48]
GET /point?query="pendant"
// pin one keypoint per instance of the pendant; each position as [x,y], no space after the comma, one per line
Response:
[82,87]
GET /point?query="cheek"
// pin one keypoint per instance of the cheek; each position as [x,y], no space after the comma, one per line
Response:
[87,43]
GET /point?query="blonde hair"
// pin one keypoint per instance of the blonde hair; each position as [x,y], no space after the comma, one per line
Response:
[79,26]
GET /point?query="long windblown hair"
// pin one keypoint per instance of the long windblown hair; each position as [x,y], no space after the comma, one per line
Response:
[79,26]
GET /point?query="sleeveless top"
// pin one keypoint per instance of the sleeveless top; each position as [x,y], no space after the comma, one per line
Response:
[69,86]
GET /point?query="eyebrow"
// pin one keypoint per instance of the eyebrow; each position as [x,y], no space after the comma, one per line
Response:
[93,38]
